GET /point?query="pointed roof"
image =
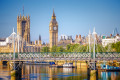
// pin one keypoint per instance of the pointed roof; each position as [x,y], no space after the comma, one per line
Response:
[53,18]
[94,31]
[23,10]
[53,13]
[13,31]
[39,37]
[89,32]
[115,31]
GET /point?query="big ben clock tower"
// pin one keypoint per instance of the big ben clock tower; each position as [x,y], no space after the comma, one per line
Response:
[53,31]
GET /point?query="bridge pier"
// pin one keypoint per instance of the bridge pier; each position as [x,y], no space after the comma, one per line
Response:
[4,63]
[0,63]
[16,73]
[75,63]
[92,71]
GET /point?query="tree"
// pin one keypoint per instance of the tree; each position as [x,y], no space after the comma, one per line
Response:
[54,49]
[60,49]
[117,46]
[45,49]
[100,48]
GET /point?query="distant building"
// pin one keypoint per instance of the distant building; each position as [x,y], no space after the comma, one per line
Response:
[110,39]
[6,44]
[64,41]
[79,40]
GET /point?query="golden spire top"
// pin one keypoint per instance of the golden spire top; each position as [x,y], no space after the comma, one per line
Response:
[53,13]
[23,10]
[20,15]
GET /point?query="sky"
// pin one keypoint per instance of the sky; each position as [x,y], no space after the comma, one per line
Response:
[74,17]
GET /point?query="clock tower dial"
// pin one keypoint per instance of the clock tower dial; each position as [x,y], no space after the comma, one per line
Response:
[50,28]
[54,28]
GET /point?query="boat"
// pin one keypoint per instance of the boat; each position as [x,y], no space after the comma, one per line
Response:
[68,65]
[37,63]
[52,64]
[108,68]
[56,66]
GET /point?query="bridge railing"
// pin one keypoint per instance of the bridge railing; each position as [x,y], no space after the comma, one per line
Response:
[108,56]
[60,55]
[46,55]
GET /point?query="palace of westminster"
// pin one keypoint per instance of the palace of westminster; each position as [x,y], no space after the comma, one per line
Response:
[23,31]
[24,44]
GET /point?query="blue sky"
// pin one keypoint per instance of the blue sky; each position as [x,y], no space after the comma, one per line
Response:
[74,17]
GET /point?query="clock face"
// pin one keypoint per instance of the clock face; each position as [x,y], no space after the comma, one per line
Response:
[50,28]
[55,28]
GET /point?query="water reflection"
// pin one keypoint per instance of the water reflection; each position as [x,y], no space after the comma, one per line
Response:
[39,72]
[42,72]
[110,75]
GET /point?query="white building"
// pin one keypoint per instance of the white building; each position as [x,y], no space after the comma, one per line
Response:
[109,40]
[8,40]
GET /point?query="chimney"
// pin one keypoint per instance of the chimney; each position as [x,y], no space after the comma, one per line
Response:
[61,38]
[32,42]
[79,36]
[64,38]
[117,34]
[76,36]
[71,37]
[67,37]
[110,35]
[36,42]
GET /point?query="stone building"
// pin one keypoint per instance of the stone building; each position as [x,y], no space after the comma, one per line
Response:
[64,41]
[23,27]
[53,31]
[22,38]
[110,39]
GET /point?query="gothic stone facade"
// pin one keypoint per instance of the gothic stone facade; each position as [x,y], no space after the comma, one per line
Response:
[53,31]
[23,27]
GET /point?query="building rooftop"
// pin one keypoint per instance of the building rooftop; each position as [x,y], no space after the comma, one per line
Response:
[2,39]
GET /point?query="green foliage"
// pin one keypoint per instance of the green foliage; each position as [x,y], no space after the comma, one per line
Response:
[57,49]
[54,49]
[60,49]
[45,49]
[114,47]
[70,47]
[80,48]
[100,48]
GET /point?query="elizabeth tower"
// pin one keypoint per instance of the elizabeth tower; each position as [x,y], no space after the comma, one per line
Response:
[53,31]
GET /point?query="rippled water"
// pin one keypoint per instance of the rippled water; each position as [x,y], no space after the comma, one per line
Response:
[42,72]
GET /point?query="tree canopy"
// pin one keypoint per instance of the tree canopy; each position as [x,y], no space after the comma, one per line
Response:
[113,47]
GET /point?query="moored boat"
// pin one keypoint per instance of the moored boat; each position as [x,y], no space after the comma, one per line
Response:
[37,63]
[108,68]
[68,65]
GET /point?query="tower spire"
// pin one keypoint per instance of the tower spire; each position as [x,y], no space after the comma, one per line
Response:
[13,29]
[53,13]
[40,37]
[89,32]
[23,9]
[94,31]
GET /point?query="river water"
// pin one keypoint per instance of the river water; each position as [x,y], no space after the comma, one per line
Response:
[42,72]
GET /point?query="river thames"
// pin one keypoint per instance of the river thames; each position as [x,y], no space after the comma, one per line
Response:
[45,72]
